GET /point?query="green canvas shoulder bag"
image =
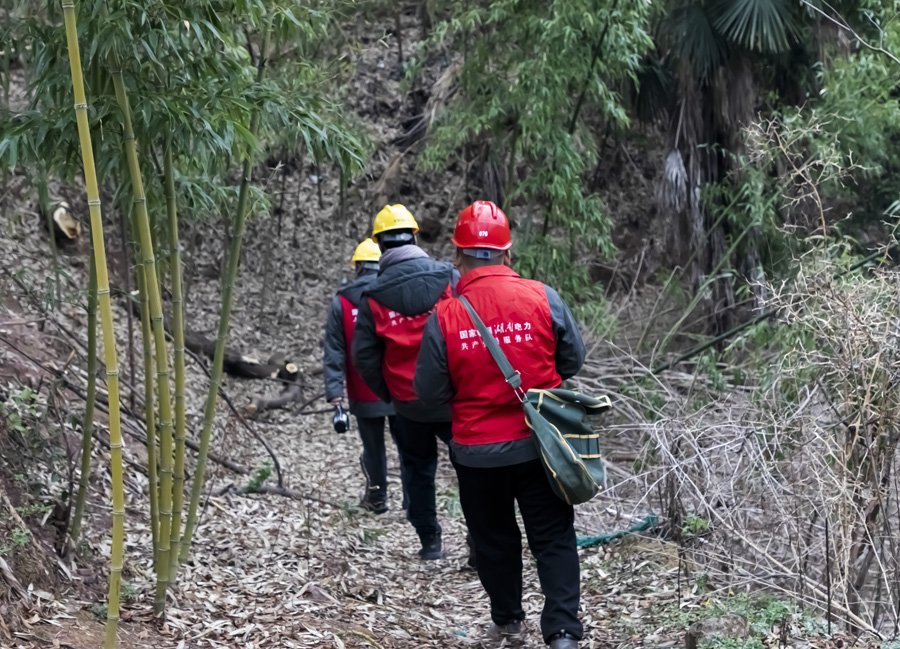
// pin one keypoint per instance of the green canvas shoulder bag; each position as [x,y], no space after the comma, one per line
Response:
[569,446]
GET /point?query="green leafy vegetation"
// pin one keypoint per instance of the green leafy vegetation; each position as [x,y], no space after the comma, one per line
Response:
[262,474]
[534,112]
[20,408]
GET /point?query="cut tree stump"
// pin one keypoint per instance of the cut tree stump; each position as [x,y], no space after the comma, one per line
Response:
[292,393]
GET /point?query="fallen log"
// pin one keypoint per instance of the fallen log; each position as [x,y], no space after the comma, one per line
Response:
[234,363]
[291,393]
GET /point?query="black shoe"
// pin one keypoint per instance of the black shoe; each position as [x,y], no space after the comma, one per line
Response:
[431,547]
[500,632]
[563,640]
[374,501]
[471,561]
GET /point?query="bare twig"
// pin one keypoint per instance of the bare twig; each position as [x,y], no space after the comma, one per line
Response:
[843,25]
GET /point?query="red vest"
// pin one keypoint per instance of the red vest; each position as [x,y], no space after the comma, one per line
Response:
[485,408]
[356,387]
[402,336]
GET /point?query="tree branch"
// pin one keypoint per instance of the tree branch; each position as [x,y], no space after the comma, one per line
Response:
[847,28]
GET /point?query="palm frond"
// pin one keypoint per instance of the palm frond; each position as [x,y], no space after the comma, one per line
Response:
[654,89]
[693,40]
[759,25]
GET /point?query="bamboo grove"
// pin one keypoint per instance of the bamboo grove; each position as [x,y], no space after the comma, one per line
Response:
[178,91]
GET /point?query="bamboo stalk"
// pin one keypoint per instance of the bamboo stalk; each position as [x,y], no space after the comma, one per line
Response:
[594,58]
[106,321]
[178,348]
[47,207]
[234,256]
[126,241]
[87,426]
[149,413]
[151,283]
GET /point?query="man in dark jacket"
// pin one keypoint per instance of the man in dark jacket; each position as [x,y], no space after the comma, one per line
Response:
[370,411]
[497,461]
[389,326]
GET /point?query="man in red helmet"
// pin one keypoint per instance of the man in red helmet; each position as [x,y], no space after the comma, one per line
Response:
[497,461]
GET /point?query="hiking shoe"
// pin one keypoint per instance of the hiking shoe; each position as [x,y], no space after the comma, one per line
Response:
[471,561]
[563,640]
[431,547]
[374,501]
[499,632]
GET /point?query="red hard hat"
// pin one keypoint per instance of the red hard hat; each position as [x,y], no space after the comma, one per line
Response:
[482,225]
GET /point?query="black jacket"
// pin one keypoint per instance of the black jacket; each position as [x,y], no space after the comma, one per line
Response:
[410,287]
[335,351]
[435,388]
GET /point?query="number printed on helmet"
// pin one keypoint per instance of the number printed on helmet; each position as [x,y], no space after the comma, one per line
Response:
[482,233]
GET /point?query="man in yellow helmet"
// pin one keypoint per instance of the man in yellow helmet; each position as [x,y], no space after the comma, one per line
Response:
[389,327]
[338,371]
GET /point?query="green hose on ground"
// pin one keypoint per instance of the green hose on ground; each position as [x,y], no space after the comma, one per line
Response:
[647,523]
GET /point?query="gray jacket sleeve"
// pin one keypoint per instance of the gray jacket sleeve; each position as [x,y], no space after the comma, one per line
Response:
[570,351]
[432,382]
[335,351]
[368,352]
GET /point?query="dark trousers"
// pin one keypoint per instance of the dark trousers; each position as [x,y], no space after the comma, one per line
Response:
[418,445]
[488,497]
[374,457]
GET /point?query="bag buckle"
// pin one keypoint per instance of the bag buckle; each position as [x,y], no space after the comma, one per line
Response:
[515,382]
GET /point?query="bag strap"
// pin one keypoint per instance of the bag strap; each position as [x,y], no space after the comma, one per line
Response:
[509,373]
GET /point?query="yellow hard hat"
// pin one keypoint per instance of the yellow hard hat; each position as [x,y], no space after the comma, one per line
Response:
[394,217]
[368,250]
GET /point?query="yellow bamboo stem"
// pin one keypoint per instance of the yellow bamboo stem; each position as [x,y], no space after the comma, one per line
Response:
[106,323]
[178,356]
[159,337]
